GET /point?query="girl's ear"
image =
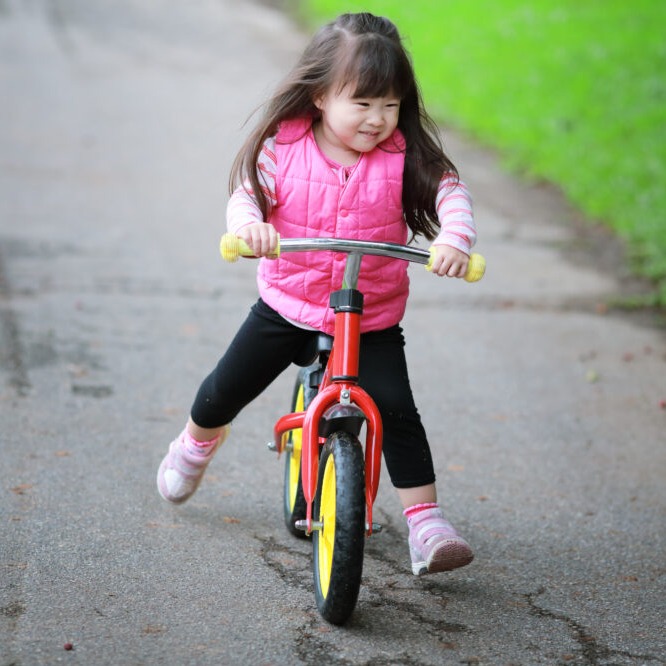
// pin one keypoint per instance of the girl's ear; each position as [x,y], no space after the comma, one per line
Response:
[320,101]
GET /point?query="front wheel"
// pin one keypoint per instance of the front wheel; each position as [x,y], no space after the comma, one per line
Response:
[338,544]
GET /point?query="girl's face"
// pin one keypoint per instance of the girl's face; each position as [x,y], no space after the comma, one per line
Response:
[353,125]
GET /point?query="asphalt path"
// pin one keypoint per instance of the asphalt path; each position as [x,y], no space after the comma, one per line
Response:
[118,124]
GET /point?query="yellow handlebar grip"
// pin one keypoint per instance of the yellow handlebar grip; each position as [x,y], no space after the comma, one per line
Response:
[428,266]
[232,247]
[475,268]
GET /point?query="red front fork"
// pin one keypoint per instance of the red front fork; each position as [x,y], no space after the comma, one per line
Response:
[341,376]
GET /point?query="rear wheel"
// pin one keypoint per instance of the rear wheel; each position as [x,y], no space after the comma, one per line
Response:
[293,499]
[338,546]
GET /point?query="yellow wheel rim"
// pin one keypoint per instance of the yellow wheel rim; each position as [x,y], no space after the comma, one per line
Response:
[296,437]
[326,535]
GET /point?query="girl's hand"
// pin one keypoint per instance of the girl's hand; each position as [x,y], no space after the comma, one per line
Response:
[447,261]
[261,237]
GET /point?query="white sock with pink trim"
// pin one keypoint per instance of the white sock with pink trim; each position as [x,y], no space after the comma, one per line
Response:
[413,510]
[195,447]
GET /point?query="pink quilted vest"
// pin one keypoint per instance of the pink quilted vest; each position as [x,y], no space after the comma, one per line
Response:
[314,201]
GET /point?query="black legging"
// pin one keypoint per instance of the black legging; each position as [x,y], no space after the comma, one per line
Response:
[266,344]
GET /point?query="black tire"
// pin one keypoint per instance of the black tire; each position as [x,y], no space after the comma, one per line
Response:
[294,504]
[338,547]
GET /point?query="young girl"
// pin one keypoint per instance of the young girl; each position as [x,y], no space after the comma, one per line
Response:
[345,149]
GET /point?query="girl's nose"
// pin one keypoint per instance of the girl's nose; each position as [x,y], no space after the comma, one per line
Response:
[376,118]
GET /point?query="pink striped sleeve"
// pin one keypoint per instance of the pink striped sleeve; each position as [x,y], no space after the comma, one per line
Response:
[454,210]
[242,208]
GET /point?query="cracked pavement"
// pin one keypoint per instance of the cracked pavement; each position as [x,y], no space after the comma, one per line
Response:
[543,406]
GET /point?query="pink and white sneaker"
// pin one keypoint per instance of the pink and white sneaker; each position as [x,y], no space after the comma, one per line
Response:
[434,545]
[183,467]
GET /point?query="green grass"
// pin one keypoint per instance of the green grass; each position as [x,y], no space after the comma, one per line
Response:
[568,91]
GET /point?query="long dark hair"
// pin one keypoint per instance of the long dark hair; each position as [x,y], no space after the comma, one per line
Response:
[365,51]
